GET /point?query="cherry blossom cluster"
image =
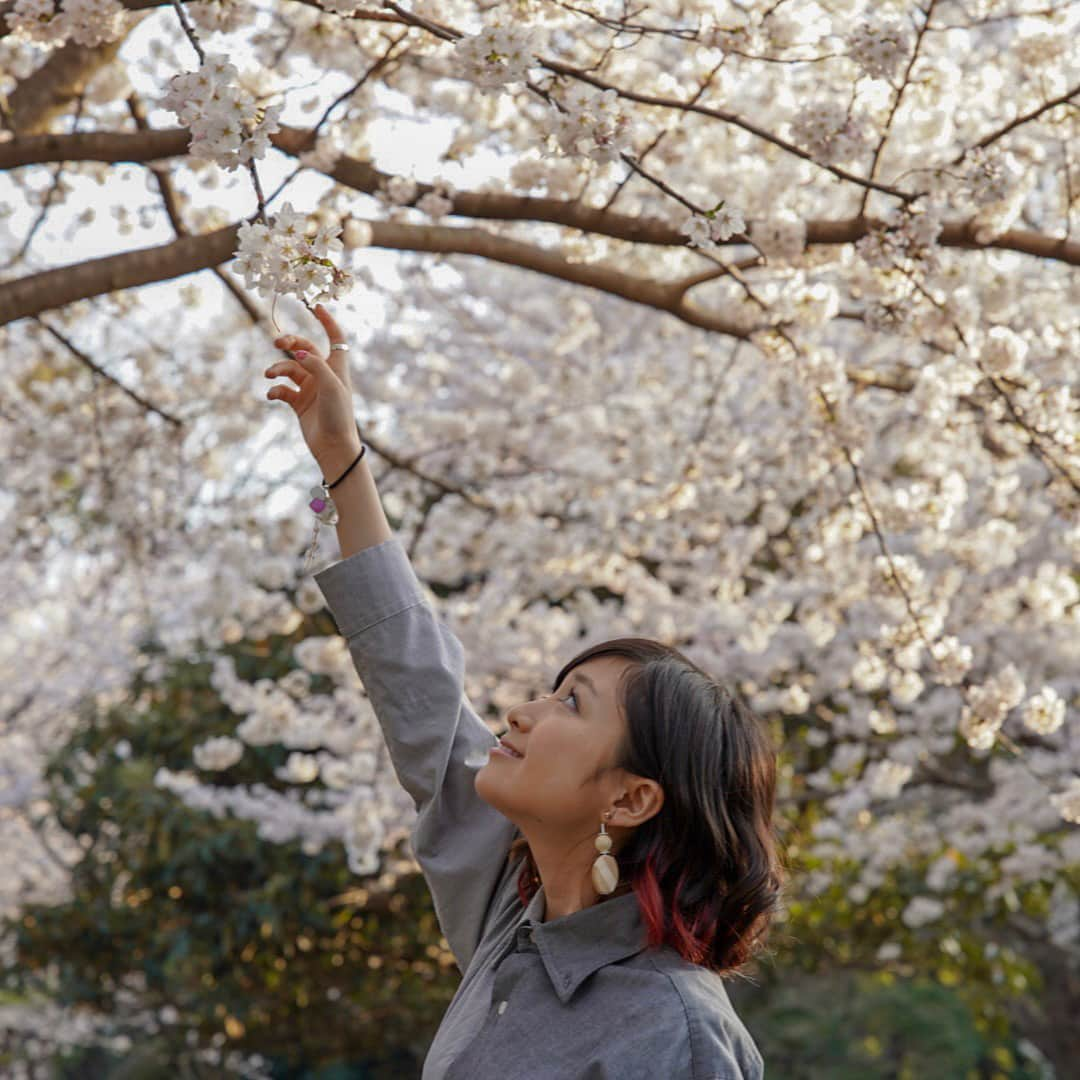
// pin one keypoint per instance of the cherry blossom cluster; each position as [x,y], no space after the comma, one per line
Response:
[592,123]
[223,16]
[707,231]
[736,525]
[227,125]
[496,56]
[880,47]
[907,239]
[396,193]
[1003,351]
[828,132]
[333,740]
[85,22]
[735,30]
[1044,712]
[1068,802]
[439,201]
[35,1033]
[988,705]
[281,258]
[218,753]
[993,183]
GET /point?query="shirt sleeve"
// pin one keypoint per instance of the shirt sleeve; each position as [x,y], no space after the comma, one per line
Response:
[721,1049]
[413,669]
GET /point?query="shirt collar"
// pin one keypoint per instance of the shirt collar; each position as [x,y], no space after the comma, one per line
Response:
[574,946]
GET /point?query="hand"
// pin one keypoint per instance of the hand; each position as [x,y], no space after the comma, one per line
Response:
[323,401]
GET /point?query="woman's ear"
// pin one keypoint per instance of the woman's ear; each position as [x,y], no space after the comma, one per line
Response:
[641,800]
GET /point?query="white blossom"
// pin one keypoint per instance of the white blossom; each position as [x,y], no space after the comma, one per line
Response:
[218,753]
[592,124]
[1003,351]
[397,191]
[881,47]
[953,660]
[922,910]
[283,258]
[37,20]
[496,56]
[887,778]
[826,131]
[299,769]
[1044,712]
[1067,802]
[438,202]
[989,704]
[227,125]
[85,22]
[709,230]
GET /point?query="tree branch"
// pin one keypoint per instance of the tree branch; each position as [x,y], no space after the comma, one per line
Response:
[172,209]
[45,93]
[363,176]
[64,285]
[99,370]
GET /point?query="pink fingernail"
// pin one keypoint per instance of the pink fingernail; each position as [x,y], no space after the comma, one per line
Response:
[300,354]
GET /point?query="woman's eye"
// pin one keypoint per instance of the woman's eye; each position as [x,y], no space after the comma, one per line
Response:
[573,695]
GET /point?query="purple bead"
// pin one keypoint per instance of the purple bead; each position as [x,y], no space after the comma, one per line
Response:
[318,505]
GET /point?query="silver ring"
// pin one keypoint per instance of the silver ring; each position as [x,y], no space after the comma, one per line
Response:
[339,345]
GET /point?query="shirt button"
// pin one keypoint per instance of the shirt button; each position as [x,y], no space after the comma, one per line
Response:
[502,1007]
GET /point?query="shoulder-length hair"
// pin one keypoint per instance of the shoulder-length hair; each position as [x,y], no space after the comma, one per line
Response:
[707,868]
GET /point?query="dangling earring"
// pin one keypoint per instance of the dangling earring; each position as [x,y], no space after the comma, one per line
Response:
[605,870]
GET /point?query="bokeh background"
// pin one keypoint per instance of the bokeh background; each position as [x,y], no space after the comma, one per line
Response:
[746,326]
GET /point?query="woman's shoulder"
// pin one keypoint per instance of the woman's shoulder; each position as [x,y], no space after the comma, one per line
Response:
[720,1045]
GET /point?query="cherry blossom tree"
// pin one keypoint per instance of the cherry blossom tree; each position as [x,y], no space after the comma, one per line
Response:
[784,374]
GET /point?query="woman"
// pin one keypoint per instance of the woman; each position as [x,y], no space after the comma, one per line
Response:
[575,963]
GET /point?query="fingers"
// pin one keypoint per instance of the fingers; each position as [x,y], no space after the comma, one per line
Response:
[290,369]
[284,393]
[339,365]
[290,343]
[333,331]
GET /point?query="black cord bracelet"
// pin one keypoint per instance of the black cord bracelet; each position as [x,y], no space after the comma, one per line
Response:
[347,471]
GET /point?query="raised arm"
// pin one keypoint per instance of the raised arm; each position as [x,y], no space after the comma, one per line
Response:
[411,664]
[323,403]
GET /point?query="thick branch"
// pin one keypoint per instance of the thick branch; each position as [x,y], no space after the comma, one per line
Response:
[94,277]
[64,285]
[49,90]
[363,176]
[144,5]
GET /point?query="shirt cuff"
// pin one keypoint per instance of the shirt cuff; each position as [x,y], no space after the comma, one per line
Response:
[369,586]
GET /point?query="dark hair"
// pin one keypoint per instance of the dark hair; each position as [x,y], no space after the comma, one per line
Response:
[707,867]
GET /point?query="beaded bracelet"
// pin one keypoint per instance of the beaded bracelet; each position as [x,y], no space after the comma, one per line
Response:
[323,506]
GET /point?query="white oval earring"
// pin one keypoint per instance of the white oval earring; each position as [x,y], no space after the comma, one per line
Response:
[605,870]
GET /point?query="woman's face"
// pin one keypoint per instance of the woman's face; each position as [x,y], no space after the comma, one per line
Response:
[565,738]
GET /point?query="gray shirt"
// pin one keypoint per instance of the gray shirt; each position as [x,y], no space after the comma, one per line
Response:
[578,998]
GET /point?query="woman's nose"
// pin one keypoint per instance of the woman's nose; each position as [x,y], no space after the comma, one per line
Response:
[514,719]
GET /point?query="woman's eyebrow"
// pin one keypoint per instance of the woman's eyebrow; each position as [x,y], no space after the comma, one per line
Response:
[588,682]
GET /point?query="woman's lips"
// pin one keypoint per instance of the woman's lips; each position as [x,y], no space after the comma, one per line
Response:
[503,752]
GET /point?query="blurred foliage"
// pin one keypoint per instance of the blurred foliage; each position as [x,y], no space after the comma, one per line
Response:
[289,955]
[263,949]
[848,1025]
[988,946]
